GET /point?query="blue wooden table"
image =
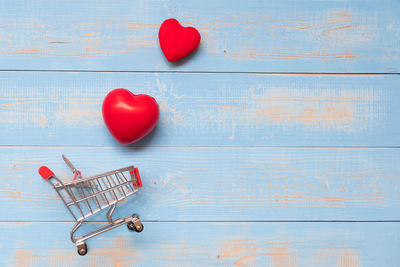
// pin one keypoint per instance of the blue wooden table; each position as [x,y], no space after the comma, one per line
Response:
[278,141]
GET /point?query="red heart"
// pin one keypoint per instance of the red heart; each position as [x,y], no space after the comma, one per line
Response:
[176,41]
[129,117]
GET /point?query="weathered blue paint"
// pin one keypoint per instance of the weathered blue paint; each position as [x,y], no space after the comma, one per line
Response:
[241,36]
[230,146]
[42,108]
[215,184]
[207,244]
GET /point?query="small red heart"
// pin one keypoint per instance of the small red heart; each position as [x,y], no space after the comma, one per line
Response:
[176,41]
[129,117]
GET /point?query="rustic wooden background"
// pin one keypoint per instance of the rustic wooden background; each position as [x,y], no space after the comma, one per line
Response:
[278,142]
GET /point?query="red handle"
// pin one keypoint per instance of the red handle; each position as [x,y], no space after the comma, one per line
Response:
[139,181]
[77,174]
[45,172]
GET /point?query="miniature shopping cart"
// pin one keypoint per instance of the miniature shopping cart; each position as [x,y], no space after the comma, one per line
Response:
[86,196]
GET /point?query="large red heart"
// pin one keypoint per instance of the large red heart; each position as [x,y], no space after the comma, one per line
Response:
[129,117]
[176,41]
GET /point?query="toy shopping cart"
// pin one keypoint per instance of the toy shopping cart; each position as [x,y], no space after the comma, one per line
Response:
[86,196]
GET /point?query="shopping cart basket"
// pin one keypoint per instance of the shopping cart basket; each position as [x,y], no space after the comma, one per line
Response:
[86,196]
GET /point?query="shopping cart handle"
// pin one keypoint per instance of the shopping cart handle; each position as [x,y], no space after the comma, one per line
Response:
[45,172]
[137,174]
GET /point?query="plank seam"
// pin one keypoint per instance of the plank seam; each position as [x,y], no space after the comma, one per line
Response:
[194,147]
[206,72]
[221,221]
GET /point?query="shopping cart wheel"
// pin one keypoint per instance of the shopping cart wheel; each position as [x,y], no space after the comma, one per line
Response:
[82,249]
[138,228]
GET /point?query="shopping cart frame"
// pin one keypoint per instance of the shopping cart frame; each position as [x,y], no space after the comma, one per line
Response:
[116,185]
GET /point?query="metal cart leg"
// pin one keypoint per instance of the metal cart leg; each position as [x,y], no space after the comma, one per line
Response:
[133,223]
[110,212]
[80,243]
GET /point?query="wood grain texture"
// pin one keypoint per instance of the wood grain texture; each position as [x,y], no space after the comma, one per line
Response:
[277,170]
[215,184]
[46,108]
[207,244]
[260,36]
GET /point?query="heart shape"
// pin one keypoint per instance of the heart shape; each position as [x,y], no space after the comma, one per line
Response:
[177,41]
[129,117]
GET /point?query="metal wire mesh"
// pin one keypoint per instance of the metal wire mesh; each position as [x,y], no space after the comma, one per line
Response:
[87,196]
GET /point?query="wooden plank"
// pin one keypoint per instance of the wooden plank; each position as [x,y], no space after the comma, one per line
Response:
[207,244]
[215,183]
[46,108]
[260,36]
